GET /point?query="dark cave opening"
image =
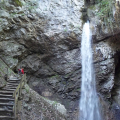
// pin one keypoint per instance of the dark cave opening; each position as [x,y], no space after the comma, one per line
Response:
[115,92]
[117,75]
[117,64]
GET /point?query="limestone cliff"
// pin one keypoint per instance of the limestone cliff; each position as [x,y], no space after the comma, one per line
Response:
[44,37]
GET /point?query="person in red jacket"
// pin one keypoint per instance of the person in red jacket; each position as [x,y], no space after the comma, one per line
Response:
[22,70]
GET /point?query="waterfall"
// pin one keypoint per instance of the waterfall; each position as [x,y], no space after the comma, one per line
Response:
[89,106]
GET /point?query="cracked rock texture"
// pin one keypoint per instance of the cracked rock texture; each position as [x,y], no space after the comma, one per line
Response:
[44,37]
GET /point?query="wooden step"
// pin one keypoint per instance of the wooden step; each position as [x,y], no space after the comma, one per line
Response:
[8,89]
[6,107]
[13,80]
[5,110]
[6,118]
[4,91]
[5,95]
[10,99]
[14,77]
[6,104]
[11,84]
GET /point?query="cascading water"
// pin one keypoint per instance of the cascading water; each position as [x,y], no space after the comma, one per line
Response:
[89,108]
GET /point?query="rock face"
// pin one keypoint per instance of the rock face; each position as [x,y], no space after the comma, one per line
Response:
[44,38]
[37,107]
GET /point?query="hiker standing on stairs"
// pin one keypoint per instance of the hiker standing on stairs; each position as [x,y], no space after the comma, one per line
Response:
[21,71]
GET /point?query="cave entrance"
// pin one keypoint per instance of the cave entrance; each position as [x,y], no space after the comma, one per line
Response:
[116,88]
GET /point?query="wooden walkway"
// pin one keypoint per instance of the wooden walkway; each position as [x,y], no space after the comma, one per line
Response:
[9,98]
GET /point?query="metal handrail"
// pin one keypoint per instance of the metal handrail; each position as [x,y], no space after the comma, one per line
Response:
[17,95]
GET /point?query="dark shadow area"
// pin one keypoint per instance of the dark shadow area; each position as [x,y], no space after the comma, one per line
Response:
[117,75]
[115,91]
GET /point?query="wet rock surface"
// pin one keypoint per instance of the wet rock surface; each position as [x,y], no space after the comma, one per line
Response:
[45,39]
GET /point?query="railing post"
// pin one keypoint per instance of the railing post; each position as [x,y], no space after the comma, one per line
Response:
[7,73]
[19,105]
[21,86]
[25,79]
[15,106]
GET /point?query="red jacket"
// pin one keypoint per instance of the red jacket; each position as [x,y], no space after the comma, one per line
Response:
[22,71]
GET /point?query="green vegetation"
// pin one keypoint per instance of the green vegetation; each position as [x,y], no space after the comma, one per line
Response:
[106,13]
[105,8]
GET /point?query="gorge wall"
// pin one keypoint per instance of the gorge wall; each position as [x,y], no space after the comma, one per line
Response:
[44,38]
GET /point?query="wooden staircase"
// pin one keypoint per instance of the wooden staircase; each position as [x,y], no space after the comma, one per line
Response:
[7,101]
[10,95]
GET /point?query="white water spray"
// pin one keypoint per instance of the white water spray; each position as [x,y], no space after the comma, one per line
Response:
[89,109]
